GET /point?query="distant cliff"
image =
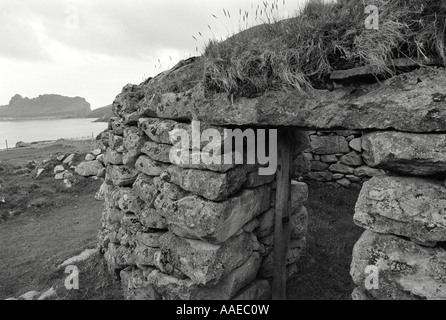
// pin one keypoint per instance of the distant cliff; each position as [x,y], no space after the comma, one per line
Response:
[45,106]
[101,114]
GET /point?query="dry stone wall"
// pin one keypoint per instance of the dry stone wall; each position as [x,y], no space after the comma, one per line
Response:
[404,213]
[176,232]
[336,157]
[188,231]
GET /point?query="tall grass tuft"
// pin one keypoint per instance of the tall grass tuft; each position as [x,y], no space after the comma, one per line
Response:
[298,53]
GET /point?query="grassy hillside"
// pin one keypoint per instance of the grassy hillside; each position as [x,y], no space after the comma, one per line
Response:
[300,52]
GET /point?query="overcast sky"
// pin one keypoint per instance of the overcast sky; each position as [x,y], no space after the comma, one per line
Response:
[93,48]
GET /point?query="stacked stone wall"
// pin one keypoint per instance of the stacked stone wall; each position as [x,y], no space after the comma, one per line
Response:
[187,231]
[402,255]
[336,157]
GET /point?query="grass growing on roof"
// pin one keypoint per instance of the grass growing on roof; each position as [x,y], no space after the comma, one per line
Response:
[299,53]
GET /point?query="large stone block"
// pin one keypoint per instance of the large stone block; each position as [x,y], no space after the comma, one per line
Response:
[194,217]
[150,167]
[89,168]
[408,153]
[134,139]
[128,201]
[406,206]
[112,157]
[329,145]
[170,190]
[172,288]
[158,129]
[202,160]
[120,175]
[205,263]
[406,271]
[152,219]
[208,184]
[157,151]
[145,188]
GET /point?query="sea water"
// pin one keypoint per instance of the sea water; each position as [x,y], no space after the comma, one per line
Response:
[47,129]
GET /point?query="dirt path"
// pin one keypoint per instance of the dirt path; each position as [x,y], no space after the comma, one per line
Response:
[32,247]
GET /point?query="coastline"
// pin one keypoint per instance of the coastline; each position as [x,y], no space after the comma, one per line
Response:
[47,143]
[51,118]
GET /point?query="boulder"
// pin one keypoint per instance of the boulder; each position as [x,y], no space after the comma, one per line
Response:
[112,157]
[323,145]
[58,169]
[406,271]
[405,206]
[208,184]
[196,159]
[157,151]
[158,129]
[120,175]
[407,153]
[145,188]
[89,168]
[196,218]
[205,263]
[152,219]
[172,288]
[69,159]
[150,167]
[134,140]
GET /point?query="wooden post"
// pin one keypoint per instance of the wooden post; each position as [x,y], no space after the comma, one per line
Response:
[283,212]
[6,140]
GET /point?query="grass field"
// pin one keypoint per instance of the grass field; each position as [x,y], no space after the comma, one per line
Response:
[332,234]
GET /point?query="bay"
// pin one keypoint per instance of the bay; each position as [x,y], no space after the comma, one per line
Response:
[47,129]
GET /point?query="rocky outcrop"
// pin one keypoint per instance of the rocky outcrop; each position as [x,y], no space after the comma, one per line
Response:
[48,105]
